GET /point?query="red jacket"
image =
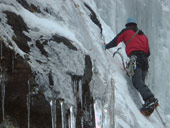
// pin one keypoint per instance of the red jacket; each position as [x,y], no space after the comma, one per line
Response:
[138,43]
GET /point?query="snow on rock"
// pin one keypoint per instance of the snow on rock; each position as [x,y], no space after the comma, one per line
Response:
[58,47]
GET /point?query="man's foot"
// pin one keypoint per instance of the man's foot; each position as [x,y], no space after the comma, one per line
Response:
[149,106]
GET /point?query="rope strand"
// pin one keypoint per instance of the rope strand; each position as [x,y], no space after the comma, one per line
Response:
[163,123]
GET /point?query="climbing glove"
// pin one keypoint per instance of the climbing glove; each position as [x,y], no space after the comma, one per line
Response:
[104,47]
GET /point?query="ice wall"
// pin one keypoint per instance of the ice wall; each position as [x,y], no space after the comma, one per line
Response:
[153,18]
[66,54]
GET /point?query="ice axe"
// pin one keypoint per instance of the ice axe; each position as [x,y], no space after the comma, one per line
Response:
[117,52]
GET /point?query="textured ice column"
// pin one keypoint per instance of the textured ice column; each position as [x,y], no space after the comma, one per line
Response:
[75,87]
[1,49]
[98,113]
[28,105]
[108,107]
[53,112]
[113,102]
[3,95]
[80,93]
[72,118]
[62,113]
[82,123]
[106,116]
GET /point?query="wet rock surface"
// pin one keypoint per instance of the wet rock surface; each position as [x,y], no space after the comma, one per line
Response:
[17,73]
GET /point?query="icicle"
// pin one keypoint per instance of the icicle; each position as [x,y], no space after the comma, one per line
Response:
[62,113]
[80,93]
[98,114]
[113,110]
[3,95]
[72,118]
[82,123]
[74,87]
[28,105]
[53,112]
[1,49]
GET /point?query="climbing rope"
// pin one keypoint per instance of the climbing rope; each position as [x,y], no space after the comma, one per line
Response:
[161,119]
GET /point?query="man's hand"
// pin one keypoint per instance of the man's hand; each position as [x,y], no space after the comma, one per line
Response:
[104,46]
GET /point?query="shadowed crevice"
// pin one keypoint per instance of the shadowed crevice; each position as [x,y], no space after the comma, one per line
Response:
[93,17]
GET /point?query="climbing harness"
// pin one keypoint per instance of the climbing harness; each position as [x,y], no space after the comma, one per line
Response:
[131,66]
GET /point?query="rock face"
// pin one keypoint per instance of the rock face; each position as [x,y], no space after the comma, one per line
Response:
[18,26]
[17,73]
[24,78]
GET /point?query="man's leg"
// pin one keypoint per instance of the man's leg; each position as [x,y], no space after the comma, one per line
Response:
[144,73]
[139,84]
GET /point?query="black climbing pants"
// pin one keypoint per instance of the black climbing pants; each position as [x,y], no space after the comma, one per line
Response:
[140,73]
[139,83]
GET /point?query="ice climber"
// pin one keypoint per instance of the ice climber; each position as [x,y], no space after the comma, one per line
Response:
[137,47]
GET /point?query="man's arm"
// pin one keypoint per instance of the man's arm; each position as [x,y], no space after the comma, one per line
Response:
[116,40]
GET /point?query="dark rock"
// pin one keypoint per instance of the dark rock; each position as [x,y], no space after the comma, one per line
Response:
[88,70]
[23,3]
[50,78]
[45,42]
[93,17]
[18,72]
[31,8]
[87,106]
[89,119]
[16,22]
[41,48]
[17,75]
[65,41]
[18,26]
